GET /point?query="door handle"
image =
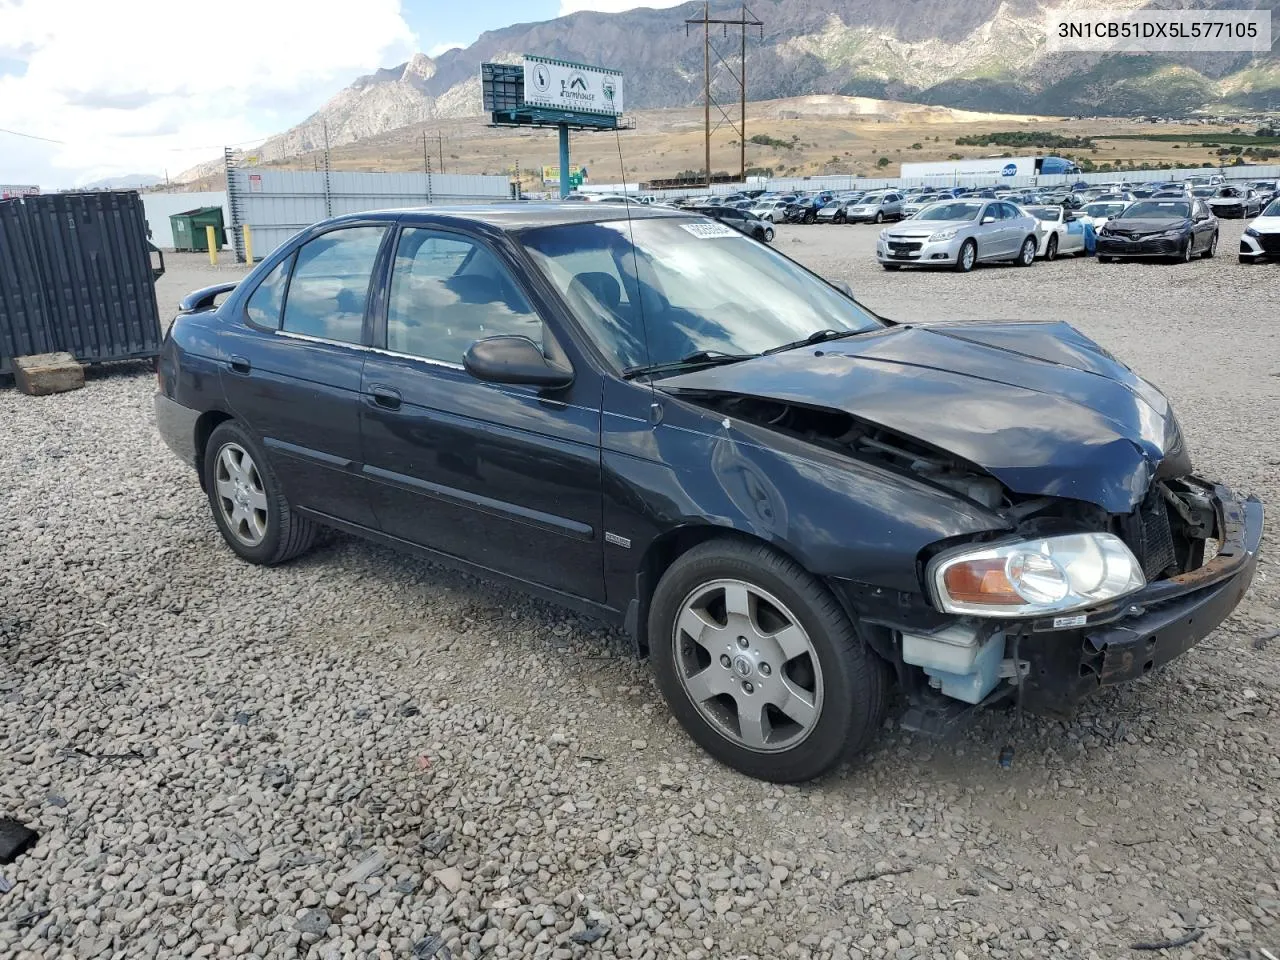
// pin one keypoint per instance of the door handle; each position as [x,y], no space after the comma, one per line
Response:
[386,397]
[239,364]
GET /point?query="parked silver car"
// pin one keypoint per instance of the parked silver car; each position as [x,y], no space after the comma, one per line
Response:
[876,207]
[958,234]
[914,203]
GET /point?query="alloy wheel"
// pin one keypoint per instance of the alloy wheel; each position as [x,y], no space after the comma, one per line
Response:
[747,665]
[242,498]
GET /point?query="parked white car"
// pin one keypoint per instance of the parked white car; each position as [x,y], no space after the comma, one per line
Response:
[1100,211]
[1261,239]
[1057,231]
[775,211]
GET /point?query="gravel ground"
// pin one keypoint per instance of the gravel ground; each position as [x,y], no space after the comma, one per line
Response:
[364,755]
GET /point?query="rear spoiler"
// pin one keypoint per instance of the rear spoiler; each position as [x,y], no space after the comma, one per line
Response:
[203,299]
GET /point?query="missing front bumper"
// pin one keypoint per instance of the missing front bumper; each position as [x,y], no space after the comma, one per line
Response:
[1151,627]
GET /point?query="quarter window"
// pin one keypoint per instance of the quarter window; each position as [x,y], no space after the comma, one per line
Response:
[447,292]
[264,306]
[330,284]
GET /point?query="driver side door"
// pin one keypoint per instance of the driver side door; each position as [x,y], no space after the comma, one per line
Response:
[503,476]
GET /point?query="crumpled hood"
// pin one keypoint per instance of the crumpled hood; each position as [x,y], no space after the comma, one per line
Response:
[1040,406]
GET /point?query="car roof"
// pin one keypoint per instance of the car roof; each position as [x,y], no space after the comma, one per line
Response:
[520,215]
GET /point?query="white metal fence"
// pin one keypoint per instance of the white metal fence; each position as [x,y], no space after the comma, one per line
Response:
[276,204]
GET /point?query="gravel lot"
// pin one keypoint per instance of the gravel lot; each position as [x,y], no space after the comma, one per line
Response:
[364,755]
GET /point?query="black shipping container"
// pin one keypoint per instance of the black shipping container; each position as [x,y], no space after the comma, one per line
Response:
[24,325]
[76,276]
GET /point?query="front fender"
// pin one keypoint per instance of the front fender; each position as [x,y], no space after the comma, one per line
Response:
[836,515]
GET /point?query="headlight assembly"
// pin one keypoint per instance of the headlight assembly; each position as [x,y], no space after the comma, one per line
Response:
[1034,577]
[944,235]
[1250,232]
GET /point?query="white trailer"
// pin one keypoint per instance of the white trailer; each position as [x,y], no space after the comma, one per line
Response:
[944,172]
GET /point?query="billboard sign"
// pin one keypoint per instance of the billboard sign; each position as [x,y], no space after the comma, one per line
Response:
[577,175]
[562,85]
[9,190]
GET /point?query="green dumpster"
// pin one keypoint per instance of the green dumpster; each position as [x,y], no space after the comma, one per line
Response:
[189,228]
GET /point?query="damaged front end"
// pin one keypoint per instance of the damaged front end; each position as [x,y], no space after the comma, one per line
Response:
[1064,599]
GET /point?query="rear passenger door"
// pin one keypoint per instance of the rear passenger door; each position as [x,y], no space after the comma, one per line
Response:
[292,368]
[504,476]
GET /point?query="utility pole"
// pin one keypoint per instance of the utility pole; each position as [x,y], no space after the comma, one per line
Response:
[706,84]
[745,19]
[426,160]
[440,142]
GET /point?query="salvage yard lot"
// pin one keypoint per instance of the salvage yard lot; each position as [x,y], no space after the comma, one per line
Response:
[363,754]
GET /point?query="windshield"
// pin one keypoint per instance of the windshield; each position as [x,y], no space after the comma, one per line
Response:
[1103,209]
[1157,210]
[685,286]
[872,198]
[1203,192]
[960,210]
[1045,213]
[1273,209]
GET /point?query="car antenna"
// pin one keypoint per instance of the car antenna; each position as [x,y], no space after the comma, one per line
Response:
[655,408]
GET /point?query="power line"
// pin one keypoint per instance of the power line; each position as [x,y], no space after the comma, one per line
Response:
[745,19]
[30,136]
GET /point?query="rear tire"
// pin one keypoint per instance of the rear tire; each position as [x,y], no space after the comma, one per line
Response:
[248,506]
[879,217]
[760,665]
[768,235]
[1212,249]
[1051,251]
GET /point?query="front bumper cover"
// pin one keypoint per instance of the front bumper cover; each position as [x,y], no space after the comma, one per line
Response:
[1149,628]
[1114,246]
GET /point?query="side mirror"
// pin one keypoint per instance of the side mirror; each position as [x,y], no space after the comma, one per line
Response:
[988,219]
[513,360]
[1071,217]
[843,287]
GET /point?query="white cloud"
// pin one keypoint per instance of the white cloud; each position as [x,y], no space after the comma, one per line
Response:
[131,88]
[613,6]
[440,48]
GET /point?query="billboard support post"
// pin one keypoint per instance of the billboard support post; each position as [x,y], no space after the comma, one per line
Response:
[564,160]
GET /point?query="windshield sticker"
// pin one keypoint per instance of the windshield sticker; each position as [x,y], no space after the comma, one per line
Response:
[705,231]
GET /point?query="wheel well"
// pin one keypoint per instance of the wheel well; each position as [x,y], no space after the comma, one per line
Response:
[659,556]
[205,425]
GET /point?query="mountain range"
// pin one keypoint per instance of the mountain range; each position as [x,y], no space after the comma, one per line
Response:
[985,55]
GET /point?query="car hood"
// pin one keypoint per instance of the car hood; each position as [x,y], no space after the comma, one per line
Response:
[1039,406]
[913,228]
[1144,226]
[1266,224]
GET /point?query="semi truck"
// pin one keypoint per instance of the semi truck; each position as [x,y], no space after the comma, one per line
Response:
[945,172]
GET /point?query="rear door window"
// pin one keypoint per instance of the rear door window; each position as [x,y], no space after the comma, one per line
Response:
[330,285]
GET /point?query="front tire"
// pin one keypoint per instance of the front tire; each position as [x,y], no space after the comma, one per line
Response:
[892,266]
[248,506]
[967,257]
[1027,254]
[1244,258]
[760,664]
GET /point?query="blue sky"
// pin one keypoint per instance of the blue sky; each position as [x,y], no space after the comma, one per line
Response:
[83,114]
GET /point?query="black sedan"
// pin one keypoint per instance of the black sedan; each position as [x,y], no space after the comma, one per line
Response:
[1176,228]
[744,221]
[647,416]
